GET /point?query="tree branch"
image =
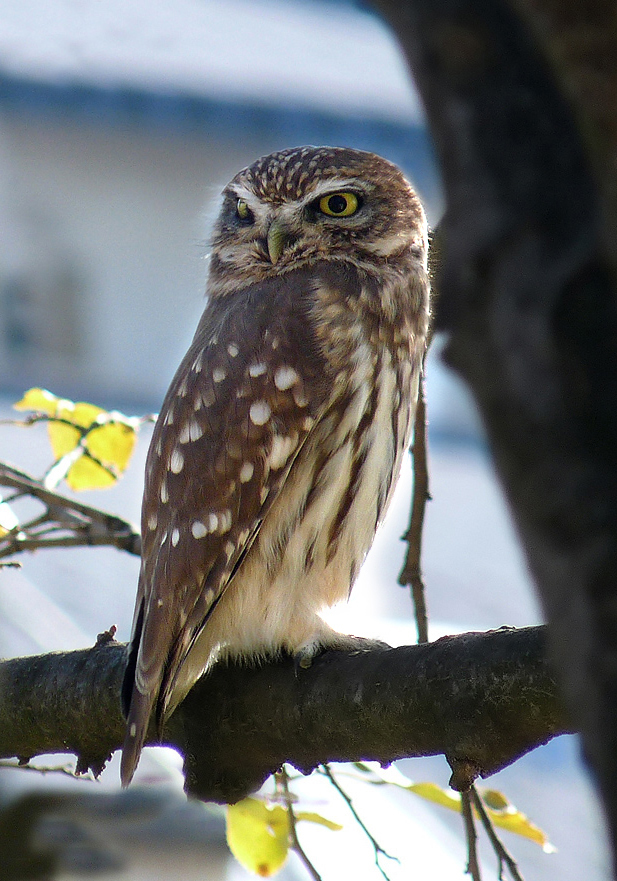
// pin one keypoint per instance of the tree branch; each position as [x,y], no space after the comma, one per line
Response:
[485,699]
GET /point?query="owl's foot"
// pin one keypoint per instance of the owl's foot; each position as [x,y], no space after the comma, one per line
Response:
[334,642]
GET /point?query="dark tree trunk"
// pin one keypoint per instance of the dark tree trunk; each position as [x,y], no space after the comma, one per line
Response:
[528,297]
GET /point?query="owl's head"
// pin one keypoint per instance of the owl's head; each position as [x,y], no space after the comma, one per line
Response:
[307,204]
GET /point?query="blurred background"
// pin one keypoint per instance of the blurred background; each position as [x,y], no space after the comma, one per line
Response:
[120,122]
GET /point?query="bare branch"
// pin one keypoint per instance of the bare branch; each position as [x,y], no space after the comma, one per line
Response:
[473,866]
[411,572]
[64,523]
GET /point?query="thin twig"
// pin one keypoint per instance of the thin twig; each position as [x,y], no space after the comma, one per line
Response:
[473,866]
[107,419]
[376,846]
[37,417]
[503,855]
[28,485]
[411,572]
[282,781]
[82,524]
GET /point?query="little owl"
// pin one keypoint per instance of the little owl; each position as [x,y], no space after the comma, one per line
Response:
[283,431]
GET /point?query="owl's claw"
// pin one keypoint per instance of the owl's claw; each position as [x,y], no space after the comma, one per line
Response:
[303,658]
[341,642]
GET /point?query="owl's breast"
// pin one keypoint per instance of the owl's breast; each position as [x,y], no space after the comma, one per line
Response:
[334,470]
[314,538]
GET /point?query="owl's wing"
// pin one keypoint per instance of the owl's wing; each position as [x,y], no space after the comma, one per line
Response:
[239,409]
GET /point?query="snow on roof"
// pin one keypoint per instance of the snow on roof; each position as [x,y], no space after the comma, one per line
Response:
[317,55]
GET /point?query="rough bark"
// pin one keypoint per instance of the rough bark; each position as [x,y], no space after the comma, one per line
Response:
[528,296]
[481,699]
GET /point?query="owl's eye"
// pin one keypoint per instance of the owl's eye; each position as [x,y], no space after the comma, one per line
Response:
[339,204]
[243,211]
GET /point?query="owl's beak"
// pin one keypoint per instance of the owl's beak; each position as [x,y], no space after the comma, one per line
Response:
[278,236]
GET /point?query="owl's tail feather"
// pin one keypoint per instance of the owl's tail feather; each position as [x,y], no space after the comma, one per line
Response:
[128,681]
[136,730]
[137,708]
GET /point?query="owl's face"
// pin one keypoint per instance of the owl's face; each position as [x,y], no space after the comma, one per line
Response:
[308,204]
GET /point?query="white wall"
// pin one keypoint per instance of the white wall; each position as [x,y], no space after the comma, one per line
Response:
[122,213]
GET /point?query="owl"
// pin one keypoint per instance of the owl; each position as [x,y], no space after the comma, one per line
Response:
[282,434]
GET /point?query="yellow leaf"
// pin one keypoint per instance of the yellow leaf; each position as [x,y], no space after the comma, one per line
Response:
[499,809]
[112,443]
[312,817]
[448,798]
[505,815]
[258,836]
[81,414]
[494,799]
[42,401]
[108,436]
[88,474]
[63,438]
[38,399]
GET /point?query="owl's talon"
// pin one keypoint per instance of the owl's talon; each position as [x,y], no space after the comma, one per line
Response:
[340,642]
[303,659]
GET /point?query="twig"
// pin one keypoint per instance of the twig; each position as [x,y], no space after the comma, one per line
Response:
[376,846]
[108,418]
[473,867]
[81,524]
[411,572]
[282,783]
[503,855]
[37,417]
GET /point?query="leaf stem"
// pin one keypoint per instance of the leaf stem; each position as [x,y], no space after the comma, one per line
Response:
[376,846]
[282,781]
[503,855]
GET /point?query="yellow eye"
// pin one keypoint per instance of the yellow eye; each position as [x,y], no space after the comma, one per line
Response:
[242,209]
[339,204]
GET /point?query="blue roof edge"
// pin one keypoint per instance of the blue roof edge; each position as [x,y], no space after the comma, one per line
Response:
[407,144]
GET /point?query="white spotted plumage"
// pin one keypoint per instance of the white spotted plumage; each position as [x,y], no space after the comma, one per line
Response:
[285,377]
[281,436]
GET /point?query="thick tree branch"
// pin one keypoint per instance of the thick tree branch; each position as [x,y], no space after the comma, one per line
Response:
[483,699]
